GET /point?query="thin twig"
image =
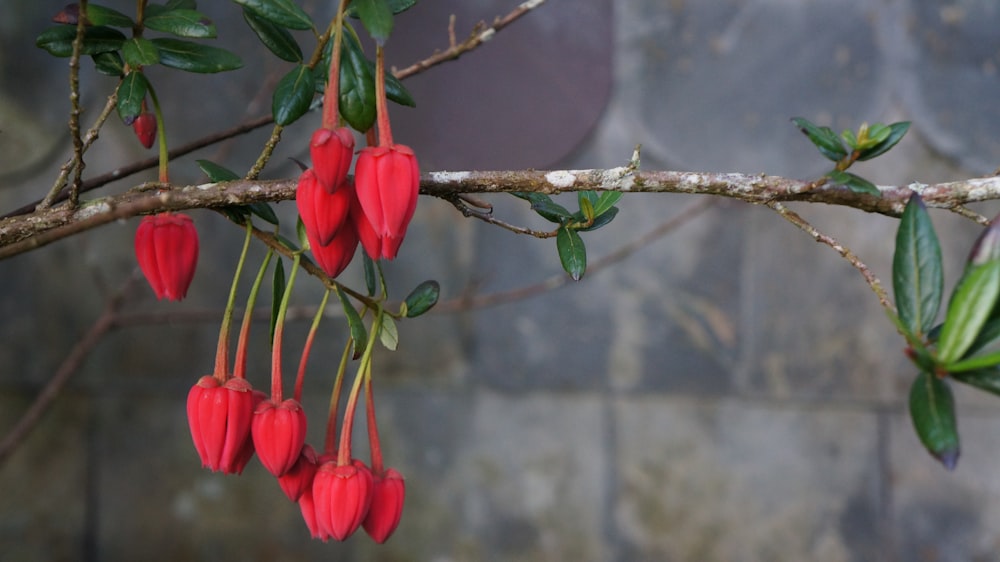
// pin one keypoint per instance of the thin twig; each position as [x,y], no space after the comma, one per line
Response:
[74,115]
[487,216]
[70,365]
[844,251]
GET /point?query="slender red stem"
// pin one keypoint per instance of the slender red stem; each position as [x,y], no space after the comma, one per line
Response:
[279,332]
[381,105]
[330,444]
[331,98]
[301,375]
[373,442]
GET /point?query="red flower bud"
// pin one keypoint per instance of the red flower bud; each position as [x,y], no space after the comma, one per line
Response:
[279,432]
[341,495]
[308,509]
[388,492]
[387,180]
[299,478]
[166,246]
[144,127]
[322,213]
[371,241]
[219,418]
[332,151]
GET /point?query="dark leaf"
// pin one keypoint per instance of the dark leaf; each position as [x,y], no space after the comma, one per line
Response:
[264,211]
[281,12]
[396,6]
[376,15]
[358,332]
[896,132]
[917,275]
[606,200]
[550,210]
[139,52]
[932,410]
[109,63]
[181,5]
[215,172]
[984,379]
[194,57]
[823,138]
[276,38]
[369,273]
[100,15]
[300,231]
[601,220]
[970,306]
[394,89]
[853,182]
[131,92]
[183,23]
[58,40]
[293,95]
[277,293]
[572,253]
[357,86]
[421,299]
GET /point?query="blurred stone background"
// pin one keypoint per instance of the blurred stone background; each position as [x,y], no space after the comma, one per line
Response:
[732,392]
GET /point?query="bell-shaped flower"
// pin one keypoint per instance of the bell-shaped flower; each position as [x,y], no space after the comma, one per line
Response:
[166,247]
[388,493]
[219,418]
[279,432]
[387,181]
[299,478]
[332,151]
[341,496]
[323,213]
[144,127]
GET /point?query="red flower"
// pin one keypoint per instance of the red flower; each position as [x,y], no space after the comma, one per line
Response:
[387,179]
[299,478]
[308,509]
[333,258]
[323,213]
[332,151]
[341,495]
[166,246]
[145,129]
[370,240]
[219,417]
[388,492]
[279,432]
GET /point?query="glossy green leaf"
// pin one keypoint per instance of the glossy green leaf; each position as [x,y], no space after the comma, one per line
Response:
[264,211]
[396,6]
[587,209]
[823,138]
[606,201]
[388,336]
[215,172]
[853,182]
[285,13]
[139,52]
[572,253]
[358,332]
[300,231]
[276,38]
[421,299]
[101,15]
[917,274]
[970,306]
[183,23]
[369,267]
[975,362]
[394,89]
[550,210]
[376,16]
[932,409]
[109,63]
[58,40]
[601,220]
[277,293]
[984,379]
[131,92]
[896,133]
[293,95]
[878,133]
[988,338]
[357,86]
[195,57]
[181,5]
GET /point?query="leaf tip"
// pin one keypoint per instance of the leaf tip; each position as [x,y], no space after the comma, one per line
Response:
[948,457]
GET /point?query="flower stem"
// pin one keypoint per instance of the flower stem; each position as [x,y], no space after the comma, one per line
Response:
[222,351]
[331,421]
[240,369]
[279,330]
[161,135]
[381,105]
[301,375]
[373,442]
[331,98]
[344,453]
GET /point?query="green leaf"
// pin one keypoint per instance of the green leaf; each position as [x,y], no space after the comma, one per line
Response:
[195,57]
[878,132]
[293,95]
[970,306]
[264,211]
[357,86]
[896,133]
[983,361]
[369,273]
[572,253]
[58,40]
[551,211]
[139,52]
[287,243]
[276,38]
[376,15]
[358,332]
[587,208]
[932,409]
[109,63]
[281,12]
[300,231]
[387,334]
[394,89]
[606,201]
[396,6]
[183,23]
[421,299]
[131,92]
[984,379]
[215,172]
[917,275]
[823,138]
[277,292]
[853,182]
[601,220]
[988,338]
[181,5]
[100,15]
